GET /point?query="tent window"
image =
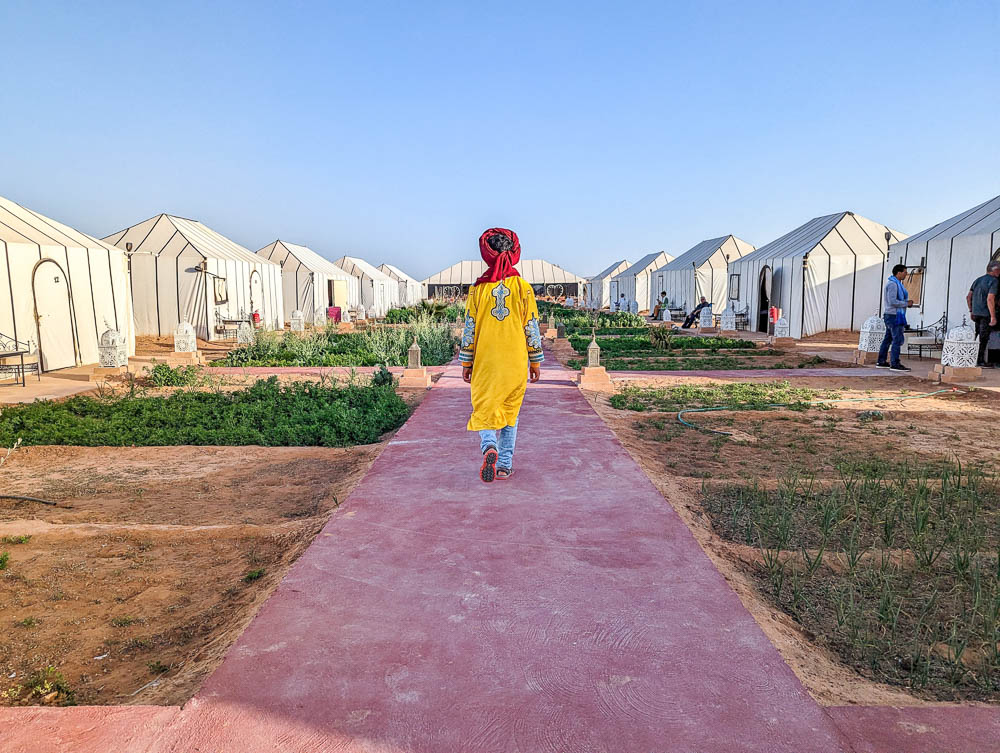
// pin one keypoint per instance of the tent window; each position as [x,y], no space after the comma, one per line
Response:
[915,284]
[221,291]
[734,287]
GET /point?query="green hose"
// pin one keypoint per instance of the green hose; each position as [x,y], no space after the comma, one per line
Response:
[680,414]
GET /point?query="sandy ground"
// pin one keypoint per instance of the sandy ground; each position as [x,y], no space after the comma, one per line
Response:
[677,460]
[151,345]
[134,585]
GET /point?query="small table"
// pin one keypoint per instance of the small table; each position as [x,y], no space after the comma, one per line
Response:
[17,369]
[233,325]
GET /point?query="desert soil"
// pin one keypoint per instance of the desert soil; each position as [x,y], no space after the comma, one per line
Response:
[134,586]
[677,460]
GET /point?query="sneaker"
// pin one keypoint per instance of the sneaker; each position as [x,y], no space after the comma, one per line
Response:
[900,367]
[882,365]
[488,472]
[504,473]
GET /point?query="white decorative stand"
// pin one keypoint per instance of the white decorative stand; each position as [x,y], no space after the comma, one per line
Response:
[245,334]
[958,356]
[112,350]
[870,341]
[706,322]
[185,340]
[298,321]
[728,321]
[782,333]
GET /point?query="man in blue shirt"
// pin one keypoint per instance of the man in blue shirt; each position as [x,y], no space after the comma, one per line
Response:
[895,301]
[983,307]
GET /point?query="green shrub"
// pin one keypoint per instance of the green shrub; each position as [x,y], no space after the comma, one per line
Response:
[267,413]
[164,375]
[368,347]
[4,559]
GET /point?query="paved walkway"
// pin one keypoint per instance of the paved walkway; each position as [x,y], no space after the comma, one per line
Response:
[566,610]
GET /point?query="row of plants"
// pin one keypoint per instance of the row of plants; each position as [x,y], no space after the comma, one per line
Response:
[580,321]
[894,567]
[720,362]
[267,413]
[732,395]
[652,343]
[437,311]
[328,347]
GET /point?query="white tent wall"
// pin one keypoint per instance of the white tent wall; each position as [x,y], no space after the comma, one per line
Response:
[306,279]
[954,253]
[826,274]
[76,284]
[599,287]
[636,281]
[379,292]
[167,288]
[411,290]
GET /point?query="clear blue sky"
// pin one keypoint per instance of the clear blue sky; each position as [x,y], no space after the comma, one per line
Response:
[399,131]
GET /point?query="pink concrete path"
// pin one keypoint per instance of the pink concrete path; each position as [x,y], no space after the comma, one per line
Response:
[861,371]
[566,610]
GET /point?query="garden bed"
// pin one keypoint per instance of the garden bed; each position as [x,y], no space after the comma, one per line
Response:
[377,345]
[133,588]
[843,654]
[302,413]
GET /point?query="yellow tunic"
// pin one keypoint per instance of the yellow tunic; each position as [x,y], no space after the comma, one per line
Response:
[501,336]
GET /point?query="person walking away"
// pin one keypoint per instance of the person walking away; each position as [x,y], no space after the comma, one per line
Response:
[982,300]
[501,350]
[693,316]
[895,300]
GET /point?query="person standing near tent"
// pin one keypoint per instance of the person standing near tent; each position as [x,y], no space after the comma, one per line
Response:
[895,301]
[621,304]
[501,350]
[982,300]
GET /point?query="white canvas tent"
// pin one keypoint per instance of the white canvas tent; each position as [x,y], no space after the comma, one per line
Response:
[953,253]
[699,271]
[60,289]
[826,274]
[546,278]
[636,281]
[182,269]
[411,290]
[310,283]
[379,292]
[599,286]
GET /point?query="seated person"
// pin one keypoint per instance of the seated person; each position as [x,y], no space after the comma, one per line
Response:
[694,315]
[661,304]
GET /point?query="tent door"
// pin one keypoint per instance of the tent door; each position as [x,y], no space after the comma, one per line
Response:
[764,300]
[338,293]
[256,292]
[54,316]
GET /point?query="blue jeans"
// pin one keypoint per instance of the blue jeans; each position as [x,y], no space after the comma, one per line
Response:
[893,335]
[505,445]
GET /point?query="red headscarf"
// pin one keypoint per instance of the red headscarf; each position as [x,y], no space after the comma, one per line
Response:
[500,265]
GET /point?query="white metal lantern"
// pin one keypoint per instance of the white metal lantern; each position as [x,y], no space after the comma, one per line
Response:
[244,335]
[112,349]
[728,319]
[961,347]
[298,321]
[872,334]
[705,318]
[781,328]
[634,307]
[185,340]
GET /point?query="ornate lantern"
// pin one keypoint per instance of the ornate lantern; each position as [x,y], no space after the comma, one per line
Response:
[593,351]
[781,328]
[185,340]
[872,334]
[705,318]
[728,319]
[298,321]
[245,335]
[112,349]
[961,347]
[413,355]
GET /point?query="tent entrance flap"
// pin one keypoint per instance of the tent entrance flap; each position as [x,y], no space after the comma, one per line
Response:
[256,292]
[54,315]
[763,308]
